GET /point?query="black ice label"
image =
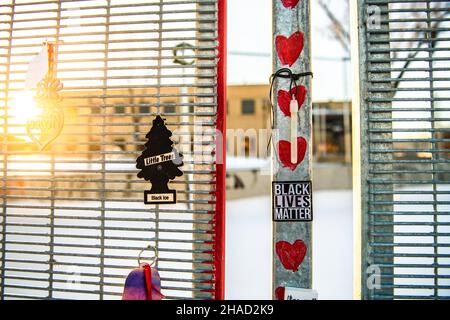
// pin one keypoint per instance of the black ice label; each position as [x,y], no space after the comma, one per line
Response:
[292,201]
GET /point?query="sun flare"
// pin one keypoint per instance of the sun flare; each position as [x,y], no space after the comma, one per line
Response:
[22,108]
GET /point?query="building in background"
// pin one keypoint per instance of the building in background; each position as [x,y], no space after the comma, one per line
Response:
[249,109]
[248,124]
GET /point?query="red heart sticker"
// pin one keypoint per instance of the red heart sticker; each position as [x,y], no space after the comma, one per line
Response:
[284,152]
[289,49]
[279,293]
[290,3]
[284,99]
[291,255]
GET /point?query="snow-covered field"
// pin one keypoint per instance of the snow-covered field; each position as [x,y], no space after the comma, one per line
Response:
[249,240]
[249,237]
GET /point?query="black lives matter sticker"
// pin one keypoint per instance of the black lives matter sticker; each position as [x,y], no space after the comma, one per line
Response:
[292,201]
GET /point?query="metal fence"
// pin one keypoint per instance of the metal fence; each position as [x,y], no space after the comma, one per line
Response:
[72,216]
[403,170]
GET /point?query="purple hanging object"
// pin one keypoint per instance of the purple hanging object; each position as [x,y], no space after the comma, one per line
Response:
[136,284]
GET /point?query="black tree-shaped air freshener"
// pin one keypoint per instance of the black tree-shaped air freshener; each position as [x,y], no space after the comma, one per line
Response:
[159,163]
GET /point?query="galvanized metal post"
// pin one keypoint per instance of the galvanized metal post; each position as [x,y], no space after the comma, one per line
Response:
[371,137]
[5,106]
[287,20]
[210,245]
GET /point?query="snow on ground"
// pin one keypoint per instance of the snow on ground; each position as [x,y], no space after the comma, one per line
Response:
[245,163]
[248,271]
[249,240]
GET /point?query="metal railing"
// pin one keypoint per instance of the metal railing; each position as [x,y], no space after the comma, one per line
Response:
[403,170]
[72,216]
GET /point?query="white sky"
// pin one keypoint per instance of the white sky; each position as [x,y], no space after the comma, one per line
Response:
[250,29]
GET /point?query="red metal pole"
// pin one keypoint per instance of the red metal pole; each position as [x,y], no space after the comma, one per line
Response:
[221,154]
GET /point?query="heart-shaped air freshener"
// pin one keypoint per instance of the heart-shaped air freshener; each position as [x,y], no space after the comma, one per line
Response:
[46,127]
[289,49]
[284,99]
[290,3]
[284,152]
[291,255]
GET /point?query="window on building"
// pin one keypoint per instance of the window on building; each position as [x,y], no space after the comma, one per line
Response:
[248,106]
[119,108]
[250,147]
[247,146]
[169,107]
[120,143]
[143,108]
[94,147]
[266,105]
[95,110]
[332,132]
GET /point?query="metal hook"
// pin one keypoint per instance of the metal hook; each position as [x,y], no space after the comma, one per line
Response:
[154,258]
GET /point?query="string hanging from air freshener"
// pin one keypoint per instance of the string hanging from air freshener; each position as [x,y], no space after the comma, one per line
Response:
[286,73]
[144,283]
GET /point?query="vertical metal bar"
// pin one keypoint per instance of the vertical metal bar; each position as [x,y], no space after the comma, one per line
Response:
[434,154]
[103,193]
[384,159]
[5,147]
[374,39]
[286,22]
[158,103]
[207,36]
[52,262]
[219,249]
[186,140]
